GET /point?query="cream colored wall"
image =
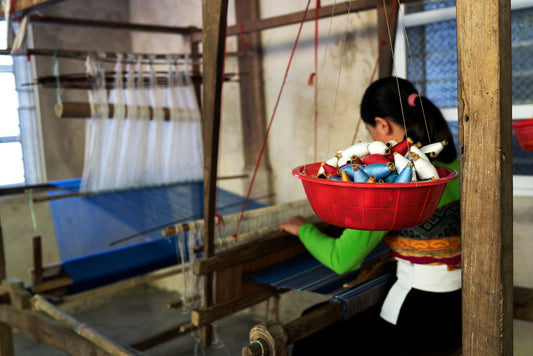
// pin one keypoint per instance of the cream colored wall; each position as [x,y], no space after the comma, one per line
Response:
[346,58]
[64,139]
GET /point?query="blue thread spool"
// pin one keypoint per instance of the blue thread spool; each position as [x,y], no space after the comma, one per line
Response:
[348,169]
[380,170]
[406,174]
[391,177]
[359,175]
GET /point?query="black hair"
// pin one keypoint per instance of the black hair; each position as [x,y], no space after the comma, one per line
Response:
[389,97]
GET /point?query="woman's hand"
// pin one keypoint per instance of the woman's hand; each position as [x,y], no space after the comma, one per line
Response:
[293,224]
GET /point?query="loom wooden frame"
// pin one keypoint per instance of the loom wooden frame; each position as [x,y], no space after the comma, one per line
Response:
[486,289]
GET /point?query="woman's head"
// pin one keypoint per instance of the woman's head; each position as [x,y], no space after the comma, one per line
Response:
[390,106]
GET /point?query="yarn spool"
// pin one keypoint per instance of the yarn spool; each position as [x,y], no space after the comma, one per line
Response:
[267,338]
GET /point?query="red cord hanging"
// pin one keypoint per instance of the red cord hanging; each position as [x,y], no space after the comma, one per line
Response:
[271,120]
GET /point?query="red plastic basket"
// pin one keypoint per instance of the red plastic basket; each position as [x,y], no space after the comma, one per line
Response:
[367,206]
[523,130]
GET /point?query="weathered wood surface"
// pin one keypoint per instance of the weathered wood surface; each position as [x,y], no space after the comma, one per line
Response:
[40,304]
[247,251]
[387,12]
[339,8]
[200,317]
[6,334]
[252,100]
[49,332]
[523,303]
[484,101]
[214,23]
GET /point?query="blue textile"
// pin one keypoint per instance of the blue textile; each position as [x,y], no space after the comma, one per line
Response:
[306,273]
[88,227]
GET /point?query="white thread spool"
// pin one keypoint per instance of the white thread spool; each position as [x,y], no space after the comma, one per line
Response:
[379,148]
[424,168]
[333,161]
[400,162]
[359,149]
[391,143]
[435,148]
[417,150]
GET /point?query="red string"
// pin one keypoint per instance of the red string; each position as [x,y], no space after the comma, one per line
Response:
[271,120]
[12,11]
[382,44]
[244,40]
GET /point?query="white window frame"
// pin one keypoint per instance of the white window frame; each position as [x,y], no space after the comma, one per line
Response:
[522,185]
[30,135]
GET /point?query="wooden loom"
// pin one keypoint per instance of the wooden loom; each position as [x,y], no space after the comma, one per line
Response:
[52,280]
[493,321]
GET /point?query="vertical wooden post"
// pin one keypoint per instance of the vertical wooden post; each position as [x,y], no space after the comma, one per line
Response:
[214,17]
[6,334]
[253,110]
[484,101]
[387,20]
[37,261]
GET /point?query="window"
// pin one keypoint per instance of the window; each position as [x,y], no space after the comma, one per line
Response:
[430,60]
[20,156]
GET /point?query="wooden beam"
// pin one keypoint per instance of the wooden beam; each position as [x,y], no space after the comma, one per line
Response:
[49,332]
[6,334]
[341,8]
[484,102]
[253,112]
[387,12]
[40,304]
[245,252]
[163,336]
[111,25]
[214,22]
[204,316]
[523,303]
[346,7]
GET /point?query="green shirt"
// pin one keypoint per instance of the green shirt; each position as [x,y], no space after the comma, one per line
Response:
[347,252]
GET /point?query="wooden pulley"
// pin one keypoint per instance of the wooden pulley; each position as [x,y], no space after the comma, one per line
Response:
[267,338]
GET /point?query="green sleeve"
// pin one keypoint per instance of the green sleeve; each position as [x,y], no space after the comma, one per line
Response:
[343,254]
[452,191]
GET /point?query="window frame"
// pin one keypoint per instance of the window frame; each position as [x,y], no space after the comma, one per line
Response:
[522,184]
[30,134]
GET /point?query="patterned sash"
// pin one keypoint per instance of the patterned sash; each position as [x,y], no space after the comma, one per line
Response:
[437,241]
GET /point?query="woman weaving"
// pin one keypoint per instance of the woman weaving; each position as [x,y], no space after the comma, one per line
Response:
[422,311]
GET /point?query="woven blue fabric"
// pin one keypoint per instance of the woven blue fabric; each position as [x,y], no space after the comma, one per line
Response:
[306,273]
[89,228]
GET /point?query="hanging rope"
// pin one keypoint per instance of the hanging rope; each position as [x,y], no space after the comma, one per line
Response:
[272,118]
[382,44]
[414,72]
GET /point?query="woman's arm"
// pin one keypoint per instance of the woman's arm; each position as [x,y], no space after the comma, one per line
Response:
[343,254]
